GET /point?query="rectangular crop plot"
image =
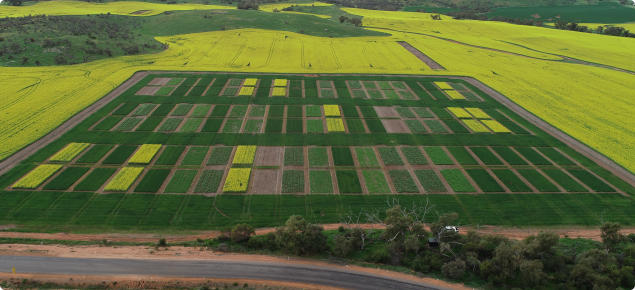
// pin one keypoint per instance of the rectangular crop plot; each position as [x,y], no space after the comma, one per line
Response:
[292,181]
[564,180]
[318,156]
[462,156]
[120,155]
[375,181]
[375,126]
[273,126]
[195,156]
[181,181]
[144,110]
[402,181]
[253,126]
[350,111]
[294,126]
[107,123]
[209,181]
[485,181]
[423,112]
[509,156]
[257,111]
[355,126]
[212,125]
[238,111]
[457,180]
[366,156]
[293,156]
[320,181]
[276,112]
[313,111]
[95,153]
[511,181]
[149,124]
[163,110]
[182,110]
[414,156]
[532,155]
[191,125]
[220,111]
[430,181]
[556,156]
[232,125]
[67,178]
[314,126]
[538,180]
[220,155]
[128,124]
[390,156]
[153,180]
[342,156]
[415,126]
[348,182]
[438,156]
[486,156]
[436,126]
[95,179]
[170,155]
[170,124]
[591,181]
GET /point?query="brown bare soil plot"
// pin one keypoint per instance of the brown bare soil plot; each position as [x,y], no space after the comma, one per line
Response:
[148,91]
[395,126]
[159,81]
[387,112]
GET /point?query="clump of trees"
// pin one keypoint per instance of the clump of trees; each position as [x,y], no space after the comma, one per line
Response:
[606,29]
[352,20]
[248,5]
[400,236]
[479,15]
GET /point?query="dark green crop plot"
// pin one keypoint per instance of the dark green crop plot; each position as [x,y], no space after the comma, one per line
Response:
[564,180]
[294,126]
[33,208]
[220,155]
[438,156]
[342,156]
[293,156]
[484,180]
[120,155]
[375,94]
[414,155]
[343,93]
[294,111]
[402,181]
[170,155]
[318,156]
[415,126]
[320,181]
[273,126]
[149,124]
[95,179]
[375,126]
[125,109]
[314,126]
[108,123]
[311,93]
[212,125]
[213,91]
[486,156]
[603,12]
[509,156]
[441,113]
[181,181]
[132,210]
[405,112]
[556,156]
[163,210]
[209,181]
[350,111]
[67,178]
[536,179]
[348,181]
[220,111]
[591,181]
[99,209]
[436,126]
[462,156]
[511,181]
[152,181]
[457,180]
[390,156]
[163,110]
[292,181]
[95,153]
[360,94]
[515,128]
[430,181]
[456,126]
[495,114]
[195,156]
[368,112]
[66,207]
[355,126]
[313,111]
[276,112]
[533,156]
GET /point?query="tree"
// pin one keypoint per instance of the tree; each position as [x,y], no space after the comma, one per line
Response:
[535,247]
[356,21]
[560,24]
[531,271]
[354,223]
[454,269]
[342,246]
[300,237]
[611,236]
[241,233]
[343,19]
[15,2]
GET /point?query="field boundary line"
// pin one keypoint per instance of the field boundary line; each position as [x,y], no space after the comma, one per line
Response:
[45,140]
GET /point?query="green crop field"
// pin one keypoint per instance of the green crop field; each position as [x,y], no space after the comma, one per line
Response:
[198,139]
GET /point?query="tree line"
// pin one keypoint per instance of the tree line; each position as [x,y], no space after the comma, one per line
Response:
[402,236]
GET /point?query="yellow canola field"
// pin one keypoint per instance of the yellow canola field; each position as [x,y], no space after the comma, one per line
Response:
[244,155]
[145,154]
[82,8]
[459,112]
[237,180]
[592,104]
[37,176]
[475,126]
[526,40]
[478,113]
[124,179]
[69,152]
[332,110]
[270,7]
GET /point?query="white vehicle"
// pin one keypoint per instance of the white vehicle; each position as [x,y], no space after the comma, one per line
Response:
[452,229]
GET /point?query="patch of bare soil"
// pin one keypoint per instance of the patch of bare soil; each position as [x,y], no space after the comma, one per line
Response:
[536,16]
[387,112]
[182,253]
[147,91]
[395,126]
[140,12]
[421,56]
[145,282]
[266,180]
[268,156]
[159,81]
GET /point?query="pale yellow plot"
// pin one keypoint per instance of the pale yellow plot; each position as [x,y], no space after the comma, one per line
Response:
[478,113]
[495,126]
[443,85]
[250,82]
[475,126]
[335,125]
[280,83]
[69,152]
[237,180]
[279,92]
[244,155]
[454,95]
[459,112]
[124,179]
[246,91]
[37,176]
[332,110]
[145,154]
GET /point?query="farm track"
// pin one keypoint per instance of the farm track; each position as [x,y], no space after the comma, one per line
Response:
[597,157]
[565,58]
